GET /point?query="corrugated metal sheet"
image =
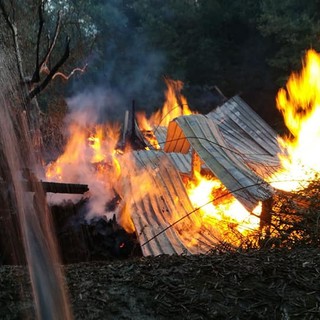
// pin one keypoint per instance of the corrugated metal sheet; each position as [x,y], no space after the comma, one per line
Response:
[154,210]
[246,132]
[181,161]
[203,134]
[161,135]
[233,142]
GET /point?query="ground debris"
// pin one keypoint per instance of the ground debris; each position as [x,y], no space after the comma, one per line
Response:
[265,284]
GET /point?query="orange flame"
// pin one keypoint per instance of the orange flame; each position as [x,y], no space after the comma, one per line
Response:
[219,208]
[90,157]
[174,106]
[85,145]
[72,154]
[300,106]
[95,143]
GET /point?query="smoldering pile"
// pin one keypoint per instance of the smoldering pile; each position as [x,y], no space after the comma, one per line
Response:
[100,238]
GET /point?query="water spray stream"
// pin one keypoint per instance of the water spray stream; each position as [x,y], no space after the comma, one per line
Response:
[28,209]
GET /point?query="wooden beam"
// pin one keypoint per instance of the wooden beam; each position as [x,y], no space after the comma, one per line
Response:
[57,187]
[53,187]
[266,216]
[195,164]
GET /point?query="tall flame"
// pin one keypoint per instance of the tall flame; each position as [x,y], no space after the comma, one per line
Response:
[300,106]
[90,157]
[175,105]
[85,146]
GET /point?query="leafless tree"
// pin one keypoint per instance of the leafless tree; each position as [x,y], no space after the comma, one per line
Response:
[36,83]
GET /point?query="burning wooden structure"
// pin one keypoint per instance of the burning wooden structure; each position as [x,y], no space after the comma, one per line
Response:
[232,143]
[149,185]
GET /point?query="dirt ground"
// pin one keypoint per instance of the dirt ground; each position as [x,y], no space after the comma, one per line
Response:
[273,284]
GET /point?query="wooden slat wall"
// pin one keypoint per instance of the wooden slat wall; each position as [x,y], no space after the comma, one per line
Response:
[249,135]
[181,161]
[167,202]
[205,137]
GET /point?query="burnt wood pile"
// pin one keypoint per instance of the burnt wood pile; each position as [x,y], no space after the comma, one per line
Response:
[101,238]
[79,239]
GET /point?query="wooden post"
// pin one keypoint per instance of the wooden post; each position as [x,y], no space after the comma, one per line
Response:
[265,216]
[195,164]
[125,128]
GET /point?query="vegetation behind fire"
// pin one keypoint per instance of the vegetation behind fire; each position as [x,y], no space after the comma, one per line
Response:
[295,218]
[248,47]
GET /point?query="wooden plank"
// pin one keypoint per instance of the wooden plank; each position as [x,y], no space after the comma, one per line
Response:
[57,187]
[233,173]
[240,114]
[166,205]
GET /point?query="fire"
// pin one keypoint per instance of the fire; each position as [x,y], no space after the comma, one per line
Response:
[91,157]
[72,154]
[174,106]
[85,145]
[300,106]
[95,143]
[219,208]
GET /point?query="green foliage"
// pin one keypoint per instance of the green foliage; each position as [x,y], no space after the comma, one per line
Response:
[293,26]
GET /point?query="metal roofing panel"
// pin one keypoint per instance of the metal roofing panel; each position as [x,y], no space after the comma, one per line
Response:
[249,135]
[234,143]
[161,135]
[205,137]
[163,215]
[239,115]
[176,141]
[181,161]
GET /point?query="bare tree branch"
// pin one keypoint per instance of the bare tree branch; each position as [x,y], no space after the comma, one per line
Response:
[53,71]
[36,74]
[45,61]
[42,66]
[67,77]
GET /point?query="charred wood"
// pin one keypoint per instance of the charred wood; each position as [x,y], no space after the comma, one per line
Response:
[100,238]
[71,188]
[53,187]
[132,135]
